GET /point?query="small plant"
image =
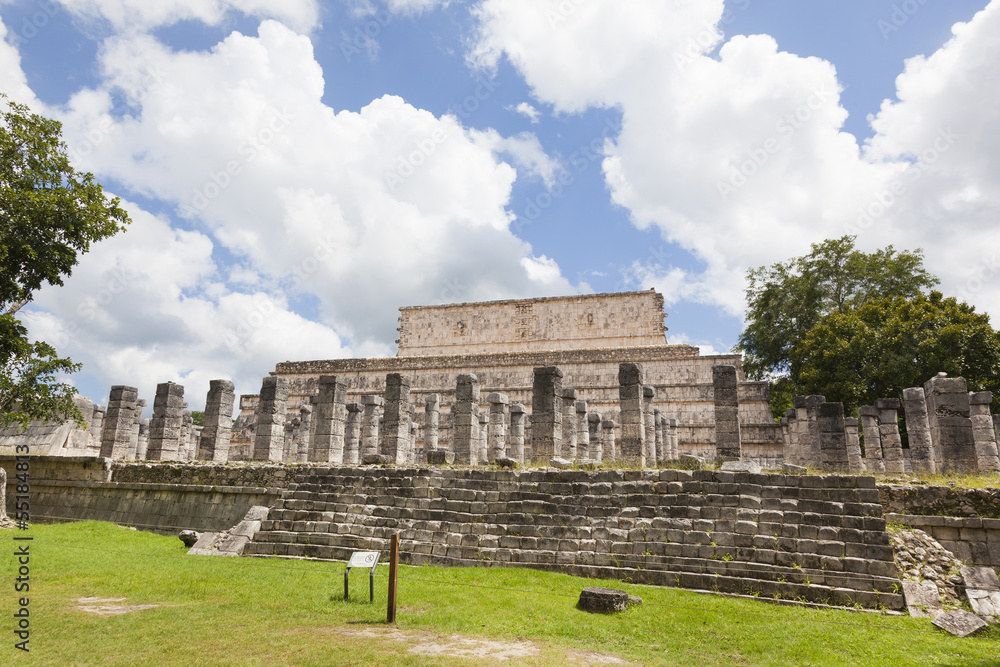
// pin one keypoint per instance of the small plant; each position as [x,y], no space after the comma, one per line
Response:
[727,557]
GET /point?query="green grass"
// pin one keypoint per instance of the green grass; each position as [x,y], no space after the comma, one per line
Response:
[244,611]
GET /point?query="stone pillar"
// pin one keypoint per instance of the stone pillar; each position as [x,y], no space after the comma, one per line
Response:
[649,424]
[786,440]
[668,445]
[465,420]
[674,439]
[918,431]
[268,439]
[888,426]
[484,426]
[352,434]
[727,418]
[497,426]
[855,464]
[791,453]
[546,413]
[187,428]
[116,427]
[397,423]
[868,416]
[658,436]
[582,432]
[609,447]
[596,450]
[948,415]
[142,446]
[411,451]
[982,430]
[517,432]
[217,432]
[833,437]
[165,427]
[326,431]
[569,397]
[807,420]
[304,437]
[289,451]
[369,427]
[432,413]
[633,442]
[133,445]
[96,428]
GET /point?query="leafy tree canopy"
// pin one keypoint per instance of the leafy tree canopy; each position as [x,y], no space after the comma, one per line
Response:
[786,300]
[882,346]
[49,214]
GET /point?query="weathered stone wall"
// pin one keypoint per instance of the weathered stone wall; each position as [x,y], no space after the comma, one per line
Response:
[973,540]
[625,319]
[940,500]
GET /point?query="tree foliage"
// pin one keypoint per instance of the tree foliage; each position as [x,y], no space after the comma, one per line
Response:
[49,214]
[883,346]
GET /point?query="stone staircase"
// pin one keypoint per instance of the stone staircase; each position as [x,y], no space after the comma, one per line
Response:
[818,539]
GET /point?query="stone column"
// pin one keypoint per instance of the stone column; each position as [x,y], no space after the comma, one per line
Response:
[786,440]
[465,420]
[982,430]
[668,447]
[546,413]
[142,446]
[369,427]
[165,427]
[596,450]
[868,415]
[187,428]
[791,453]
[116,427]
[833,437]
[411,450]
[497,426]
[569,397]
[633,441]
[918,431]
[268,439]
[289,451]
[582,432]
[484,426]
[517,432]
[948,415]
[649,423]
[727,418]
[133,445]
[807,420]
[352,434]
[432,413]
[397,423]
[855,464]
[96,428]
[304,436]
[217,433]
[326,431]
[888,426]
[658,436]
[609,447]
[675,441]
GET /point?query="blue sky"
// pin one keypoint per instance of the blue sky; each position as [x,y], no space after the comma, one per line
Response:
[296,171]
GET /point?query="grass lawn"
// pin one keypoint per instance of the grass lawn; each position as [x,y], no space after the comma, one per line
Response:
[247,611]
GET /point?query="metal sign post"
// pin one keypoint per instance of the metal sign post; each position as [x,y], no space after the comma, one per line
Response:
[363,559]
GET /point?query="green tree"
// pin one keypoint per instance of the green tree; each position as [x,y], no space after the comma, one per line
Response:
[883,346]
[198,417]
[49,214]
[786,300]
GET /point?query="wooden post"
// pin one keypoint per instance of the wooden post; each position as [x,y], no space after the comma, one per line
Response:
[393,573]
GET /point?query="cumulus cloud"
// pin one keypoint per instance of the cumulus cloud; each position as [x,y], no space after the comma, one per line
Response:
[528,111]
[739,155]
[296,208]
[134,15]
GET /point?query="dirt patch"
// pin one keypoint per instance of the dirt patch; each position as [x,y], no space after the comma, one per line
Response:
[110,606]
[477,650]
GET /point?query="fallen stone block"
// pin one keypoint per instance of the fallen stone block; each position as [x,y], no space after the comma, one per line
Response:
[605,600]
[506,463]
[562,464]
[960,623]
[189,537]
[204,545]
[922,599]
[741,466]
[440,457]
[690,462]
[375,459]
[793,469]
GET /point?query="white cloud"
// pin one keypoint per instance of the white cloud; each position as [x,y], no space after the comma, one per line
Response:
[740,157]
[13,82]
[528,111]
[349,214]
[132,15]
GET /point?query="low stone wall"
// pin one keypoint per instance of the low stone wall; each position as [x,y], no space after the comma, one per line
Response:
[157,498]
[940,501]
[974,540]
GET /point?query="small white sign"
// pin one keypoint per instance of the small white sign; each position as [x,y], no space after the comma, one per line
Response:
[363,559]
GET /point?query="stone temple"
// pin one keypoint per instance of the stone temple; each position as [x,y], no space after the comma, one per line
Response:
[500,342]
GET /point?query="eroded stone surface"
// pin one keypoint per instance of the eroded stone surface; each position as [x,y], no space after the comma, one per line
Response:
[605,600]
[959,623]
[922,599]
